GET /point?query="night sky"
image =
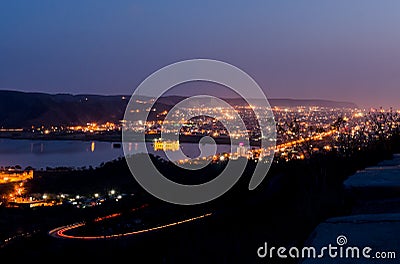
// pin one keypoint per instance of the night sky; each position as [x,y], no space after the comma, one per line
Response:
[338,50]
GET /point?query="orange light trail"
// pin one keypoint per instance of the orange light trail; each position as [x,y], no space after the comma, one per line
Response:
[60,231]
[300,141]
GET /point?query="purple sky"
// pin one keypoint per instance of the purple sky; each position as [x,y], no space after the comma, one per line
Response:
[339,50]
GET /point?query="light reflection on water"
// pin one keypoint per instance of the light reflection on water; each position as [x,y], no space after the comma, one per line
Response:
[57,153]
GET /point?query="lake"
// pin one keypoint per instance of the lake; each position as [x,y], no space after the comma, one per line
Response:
[74,153]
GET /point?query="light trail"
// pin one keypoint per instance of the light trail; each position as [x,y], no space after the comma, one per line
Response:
[60,231]
[300,141]
[280,147]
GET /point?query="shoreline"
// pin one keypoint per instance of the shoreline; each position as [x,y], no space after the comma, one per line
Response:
[78,137]
[112,138]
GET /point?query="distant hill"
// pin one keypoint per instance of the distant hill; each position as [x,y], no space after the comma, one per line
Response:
[310,102]
[19,109]
[172,100]
[22,110]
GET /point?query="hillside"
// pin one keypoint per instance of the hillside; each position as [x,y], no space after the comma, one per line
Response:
[18,109]
[22,110]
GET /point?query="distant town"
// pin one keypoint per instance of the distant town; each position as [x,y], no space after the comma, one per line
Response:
[301,132]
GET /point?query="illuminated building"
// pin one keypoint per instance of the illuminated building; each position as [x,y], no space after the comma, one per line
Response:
[15,176]
[172,145]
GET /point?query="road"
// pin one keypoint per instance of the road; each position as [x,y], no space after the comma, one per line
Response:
[61,232]
[320,136]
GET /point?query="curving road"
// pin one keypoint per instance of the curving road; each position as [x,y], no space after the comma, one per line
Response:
[60,232]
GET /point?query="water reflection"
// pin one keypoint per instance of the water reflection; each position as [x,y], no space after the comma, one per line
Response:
[57,153]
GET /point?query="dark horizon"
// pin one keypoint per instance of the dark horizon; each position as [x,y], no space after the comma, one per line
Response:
[231,97]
